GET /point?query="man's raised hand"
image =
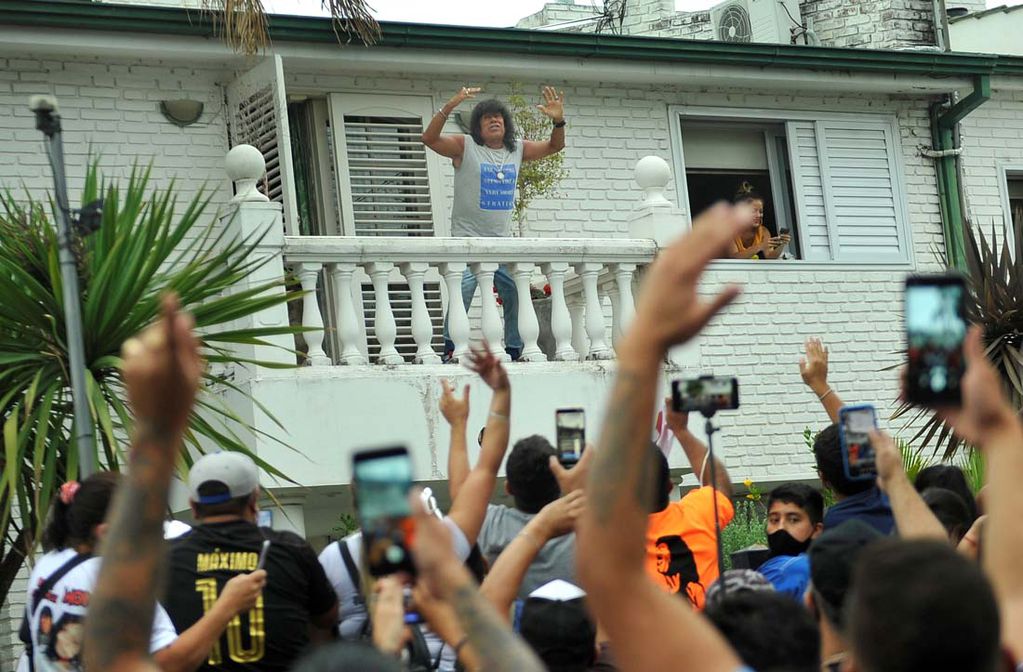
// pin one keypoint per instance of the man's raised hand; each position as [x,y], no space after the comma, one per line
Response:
[570,480]
[554,104]
[489,368]
[669,310]
[465,93]
[813,367]
[162,369]
[454,410]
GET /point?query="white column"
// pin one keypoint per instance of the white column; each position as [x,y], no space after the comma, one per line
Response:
[493,328]
[348,322]
[595,327]
[384,327]
[308,274]
[626,307]
[422,326]
[580,341]
[616,330]
[529,327]
[561,321]
[457,318]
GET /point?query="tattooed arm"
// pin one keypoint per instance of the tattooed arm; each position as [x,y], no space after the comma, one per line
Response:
[161,372]
[650,628]
[494,645]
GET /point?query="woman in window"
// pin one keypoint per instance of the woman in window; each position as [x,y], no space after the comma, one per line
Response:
[758,243]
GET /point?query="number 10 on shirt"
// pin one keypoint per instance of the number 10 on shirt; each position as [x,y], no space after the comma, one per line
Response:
[235,648]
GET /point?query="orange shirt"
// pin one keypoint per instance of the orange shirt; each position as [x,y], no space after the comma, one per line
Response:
[762,232]
[681,545]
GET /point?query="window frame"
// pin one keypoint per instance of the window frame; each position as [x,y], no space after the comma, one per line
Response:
[889,123]
[1008,170]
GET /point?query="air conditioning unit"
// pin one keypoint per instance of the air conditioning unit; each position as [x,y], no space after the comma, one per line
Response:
[755,20]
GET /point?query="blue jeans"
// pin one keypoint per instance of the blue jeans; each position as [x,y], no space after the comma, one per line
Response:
[510,300]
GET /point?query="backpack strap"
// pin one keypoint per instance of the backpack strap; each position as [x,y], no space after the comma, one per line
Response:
[25,631]
[353,570]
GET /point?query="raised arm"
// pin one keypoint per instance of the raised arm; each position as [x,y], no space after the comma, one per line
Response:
[492,642]
[651,629]
[456,413]
[913,518]
[470,507]
[554,108]
[506,575]
[695,450]
[987,420]
[813,367]
[161,371]
[450,146]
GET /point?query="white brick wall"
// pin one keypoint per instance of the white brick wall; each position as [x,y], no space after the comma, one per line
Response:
[115,109]
[991,135]
[871,24]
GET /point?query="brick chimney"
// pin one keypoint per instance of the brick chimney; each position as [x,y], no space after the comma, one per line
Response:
[873,24]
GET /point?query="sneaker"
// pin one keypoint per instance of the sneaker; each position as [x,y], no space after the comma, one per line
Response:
[514,353]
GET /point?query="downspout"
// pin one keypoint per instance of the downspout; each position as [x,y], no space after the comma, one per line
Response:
[943,135]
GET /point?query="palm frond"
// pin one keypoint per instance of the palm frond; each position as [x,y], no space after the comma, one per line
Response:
[994,278]
[245,26]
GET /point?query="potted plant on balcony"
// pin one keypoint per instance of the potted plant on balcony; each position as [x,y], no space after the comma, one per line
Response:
[537,179]
[146,245]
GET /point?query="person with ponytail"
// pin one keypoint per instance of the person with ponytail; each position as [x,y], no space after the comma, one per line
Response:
[757,243]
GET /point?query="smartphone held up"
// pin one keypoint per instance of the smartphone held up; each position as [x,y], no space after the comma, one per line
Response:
[706,394]
[855,423]
[935,329]
[570,426]
[382,479]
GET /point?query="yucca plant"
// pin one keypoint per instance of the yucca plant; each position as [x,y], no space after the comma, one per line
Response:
[145,246]
[245,26]
[994,280]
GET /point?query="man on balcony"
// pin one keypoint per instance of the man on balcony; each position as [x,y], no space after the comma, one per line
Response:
[487,162]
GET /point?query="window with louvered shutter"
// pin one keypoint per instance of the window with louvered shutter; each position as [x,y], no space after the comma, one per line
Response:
[847,185]
[258,116]
[387,184]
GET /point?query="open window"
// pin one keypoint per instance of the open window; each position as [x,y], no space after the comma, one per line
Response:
[833,180]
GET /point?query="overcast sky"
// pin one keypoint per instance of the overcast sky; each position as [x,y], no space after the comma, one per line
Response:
[475,12]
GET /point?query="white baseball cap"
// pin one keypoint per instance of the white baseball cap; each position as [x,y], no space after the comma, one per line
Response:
[219,477]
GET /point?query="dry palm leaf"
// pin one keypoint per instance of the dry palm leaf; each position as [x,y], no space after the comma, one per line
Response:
[245,26]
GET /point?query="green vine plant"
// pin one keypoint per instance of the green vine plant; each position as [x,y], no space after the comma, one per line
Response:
[537,179]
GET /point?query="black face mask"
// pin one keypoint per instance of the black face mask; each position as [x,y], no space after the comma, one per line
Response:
[782,543]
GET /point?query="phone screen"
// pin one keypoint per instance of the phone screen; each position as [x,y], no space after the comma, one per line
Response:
[382,480]
[935,329]
[857,451]
[705,393]
[571,430]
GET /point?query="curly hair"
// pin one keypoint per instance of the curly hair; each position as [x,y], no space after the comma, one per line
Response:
[492,106]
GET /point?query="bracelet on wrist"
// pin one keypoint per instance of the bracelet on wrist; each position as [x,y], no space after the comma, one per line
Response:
[442,113]
[499,416]
[560,124]
[824,396]
[530,537]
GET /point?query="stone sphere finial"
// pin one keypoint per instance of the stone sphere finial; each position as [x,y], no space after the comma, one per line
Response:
[246,166]
[652,176]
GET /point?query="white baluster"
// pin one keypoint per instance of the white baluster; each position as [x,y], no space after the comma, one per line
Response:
[580,341]
[348,323]
[493,329]
[384,327]
[612,295]
[595,327]
[308,275]
[457,318]
[422,326]
[529,328]
[561,321]
[626,308]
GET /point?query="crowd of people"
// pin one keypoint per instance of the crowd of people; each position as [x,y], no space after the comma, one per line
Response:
[597,566]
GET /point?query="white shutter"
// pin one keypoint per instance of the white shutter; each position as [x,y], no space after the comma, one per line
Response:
[258,116]
[859,158]
[387,185]
[386,176]
[811,209]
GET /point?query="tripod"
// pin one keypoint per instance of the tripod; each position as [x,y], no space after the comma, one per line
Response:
[708,413]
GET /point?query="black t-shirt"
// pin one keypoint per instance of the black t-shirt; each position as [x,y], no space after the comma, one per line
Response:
[273,634]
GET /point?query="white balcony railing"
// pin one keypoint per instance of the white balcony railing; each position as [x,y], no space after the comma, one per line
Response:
[585,277]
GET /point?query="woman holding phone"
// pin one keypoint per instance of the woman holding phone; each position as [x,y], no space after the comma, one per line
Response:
[757,243]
